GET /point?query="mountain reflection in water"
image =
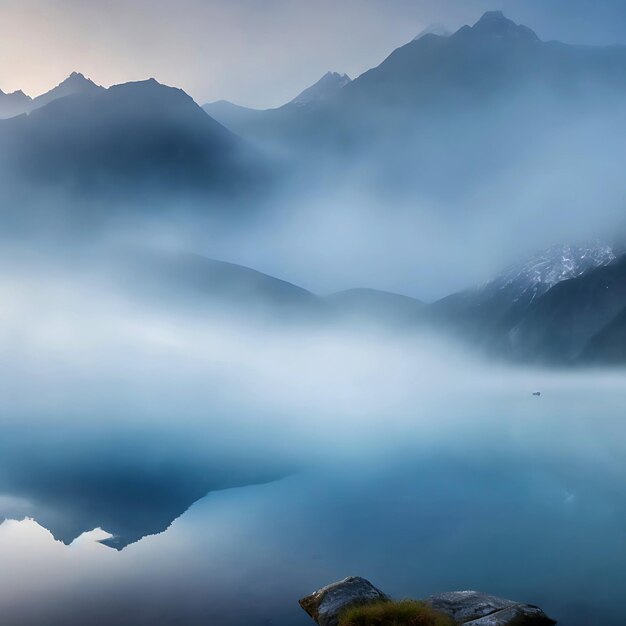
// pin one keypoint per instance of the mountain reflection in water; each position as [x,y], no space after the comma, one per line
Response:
[530,495]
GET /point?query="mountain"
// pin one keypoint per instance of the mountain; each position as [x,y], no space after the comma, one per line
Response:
[576,320]
[494,24]
[434,29]
[12,104]
[500,302]
[372,305]
[244,119]
[447,115]
[191,283]
[74,84]
[233,116]
[194,283]
[325,87]
[18,103]
[478,65]
[130,137]
[566,305]
[608,346]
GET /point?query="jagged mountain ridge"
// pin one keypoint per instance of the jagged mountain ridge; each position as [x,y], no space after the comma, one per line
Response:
[19,103]
[132,136]
[522,283]
[444,115]
[12,104]
[76,83]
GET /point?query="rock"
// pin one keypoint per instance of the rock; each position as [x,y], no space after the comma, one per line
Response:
[325,605]
[469,608]
[473,608]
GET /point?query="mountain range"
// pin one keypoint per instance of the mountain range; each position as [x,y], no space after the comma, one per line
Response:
[563,306]
[246,121]
[406,121]
[138,137]
[446,114]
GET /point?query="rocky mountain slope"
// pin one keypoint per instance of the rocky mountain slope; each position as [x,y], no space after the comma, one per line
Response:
[563,306]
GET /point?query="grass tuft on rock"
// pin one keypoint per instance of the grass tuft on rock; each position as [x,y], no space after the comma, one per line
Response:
[403,613]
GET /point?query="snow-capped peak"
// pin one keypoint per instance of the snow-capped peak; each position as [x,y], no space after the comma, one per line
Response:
[554,265]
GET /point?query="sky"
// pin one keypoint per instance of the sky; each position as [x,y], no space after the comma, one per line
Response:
[258,53]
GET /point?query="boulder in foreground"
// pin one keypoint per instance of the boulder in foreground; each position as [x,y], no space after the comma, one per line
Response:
[469,608]
[326,605]
[473,608]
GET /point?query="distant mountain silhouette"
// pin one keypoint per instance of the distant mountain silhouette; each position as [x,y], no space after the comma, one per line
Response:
[372,305]
[140,135]
[444,114]
[194,283]
[494,24]
[18,103]
[74,84]
[325,87]
[434,29]
[234,116]
[12,104]
[565,305]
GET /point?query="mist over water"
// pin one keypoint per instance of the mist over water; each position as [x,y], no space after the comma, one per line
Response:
[196,428]
[398,456]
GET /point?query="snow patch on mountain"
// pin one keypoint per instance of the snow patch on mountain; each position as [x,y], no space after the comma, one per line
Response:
[536,276]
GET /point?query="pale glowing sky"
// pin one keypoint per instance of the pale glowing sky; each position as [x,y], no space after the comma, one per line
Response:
[253,52]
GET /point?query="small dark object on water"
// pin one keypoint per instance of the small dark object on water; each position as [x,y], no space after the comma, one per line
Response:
[537,393]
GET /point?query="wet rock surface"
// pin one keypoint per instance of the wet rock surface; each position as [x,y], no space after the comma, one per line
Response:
[326,605]
[473,608]
[470,608]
